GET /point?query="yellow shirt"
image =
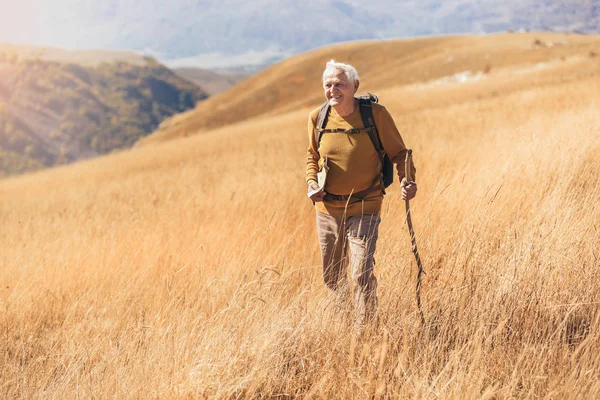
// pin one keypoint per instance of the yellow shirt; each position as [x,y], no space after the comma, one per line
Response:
[353,162]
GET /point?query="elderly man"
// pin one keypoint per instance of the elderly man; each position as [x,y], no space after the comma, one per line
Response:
[348,203]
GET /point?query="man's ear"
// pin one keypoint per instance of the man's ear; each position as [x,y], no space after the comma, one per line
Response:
[356,84]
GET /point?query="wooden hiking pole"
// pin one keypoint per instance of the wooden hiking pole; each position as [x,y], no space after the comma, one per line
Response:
[413,239]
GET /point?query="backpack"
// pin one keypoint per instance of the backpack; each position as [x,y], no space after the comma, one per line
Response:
[366,113]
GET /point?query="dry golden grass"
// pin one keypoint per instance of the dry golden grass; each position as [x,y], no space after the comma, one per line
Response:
[190,269]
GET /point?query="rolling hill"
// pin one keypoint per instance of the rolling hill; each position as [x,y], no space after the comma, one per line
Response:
[189,268]
[58,106]
[295,83]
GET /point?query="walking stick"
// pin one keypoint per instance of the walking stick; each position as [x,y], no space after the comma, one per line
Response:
[413,239]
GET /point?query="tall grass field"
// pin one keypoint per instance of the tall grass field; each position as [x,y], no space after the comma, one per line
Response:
[189,267]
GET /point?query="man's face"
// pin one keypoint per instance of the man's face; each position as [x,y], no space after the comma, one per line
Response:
[338,89]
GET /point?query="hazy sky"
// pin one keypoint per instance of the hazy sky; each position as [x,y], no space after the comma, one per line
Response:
[51,23]
[255,31]
[21,21]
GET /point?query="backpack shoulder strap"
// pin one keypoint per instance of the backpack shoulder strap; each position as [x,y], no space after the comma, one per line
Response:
[322,121]
[366,112]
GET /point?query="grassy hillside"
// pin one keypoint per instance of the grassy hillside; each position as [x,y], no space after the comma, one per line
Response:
[295,83]
[53,113]
[189,269]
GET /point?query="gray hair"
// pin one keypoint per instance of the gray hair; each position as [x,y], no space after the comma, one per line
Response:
[348,69]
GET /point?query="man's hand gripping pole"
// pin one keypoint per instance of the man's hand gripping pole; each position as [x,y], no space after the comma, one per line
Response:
[407,174]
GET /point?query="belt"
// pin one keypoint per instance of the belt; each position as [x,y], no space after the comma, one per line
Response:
[357,195]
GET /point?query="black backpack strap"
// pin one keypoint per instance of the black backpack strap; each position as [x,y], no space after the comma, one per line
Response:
[351,131]
[387,168]
[322,121]
[366,112]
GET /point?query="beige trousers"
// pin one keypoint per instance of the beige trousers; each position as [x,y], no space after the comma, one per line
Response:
[350,240]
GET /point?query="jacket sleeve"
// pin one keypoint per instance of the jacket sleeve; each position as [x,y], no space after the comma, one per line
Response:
[392,141]
[312,153]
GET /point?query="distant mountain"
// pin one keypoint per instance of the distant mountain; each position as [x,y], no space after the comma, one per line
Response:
[82,57]
[53,112]
[212,82]
[237,32]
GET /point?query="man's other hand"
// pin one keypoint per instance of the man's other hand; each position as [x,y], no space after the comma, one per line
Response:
[409,189]
[316,196]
